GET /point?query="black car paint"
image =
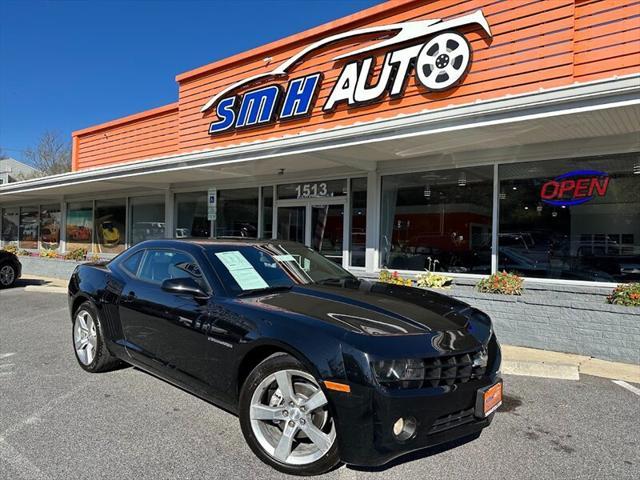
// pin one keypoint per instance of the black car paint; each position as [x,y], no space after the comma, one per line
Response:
[207,346]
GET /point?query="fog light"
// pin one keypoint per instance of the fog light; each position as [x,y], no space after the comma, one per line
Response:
[404,428]
[398,426]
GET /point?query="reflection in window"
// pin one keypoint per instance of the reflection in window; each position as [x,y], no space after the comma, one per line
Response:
[50,226]
[358,222]
[79,225]
[110,221]
[267,212]
[161,265]
[146,218]
[191,215]
[438,219]
[575,219]
[29,227]
[10,222]
[237,214]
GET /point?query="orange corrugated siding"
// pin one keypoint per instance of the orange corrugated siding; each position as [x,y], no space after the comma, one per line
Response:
[148,134]
[535,44]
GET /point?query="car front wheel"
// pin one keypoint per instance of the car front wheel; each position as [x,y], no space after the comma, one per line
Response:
[285,418]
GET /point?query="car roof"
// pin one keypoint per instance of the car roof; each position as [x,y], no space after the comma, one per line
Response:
[211,242]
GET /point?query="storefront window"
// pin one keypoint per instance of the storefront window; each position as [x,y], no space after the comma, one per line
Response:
[50,226]
[326,188]
[79,225]
[439,220]
[267,212]
[146,218]
[10,222]
[29,227]
[573,219]
[237,214]
[358,244]
[191,215]
[110,226]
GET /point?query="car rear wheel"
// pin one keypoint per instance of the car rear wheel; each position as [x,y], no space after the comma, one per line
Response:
[286,420]
[7,275]
[88,341]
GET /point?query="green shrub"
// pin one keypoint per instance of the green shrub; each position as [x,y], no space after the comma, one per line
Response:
[627,294]
[433,280]
[47,253]
[394,278]
[502,282]
[11,249]
[78,254]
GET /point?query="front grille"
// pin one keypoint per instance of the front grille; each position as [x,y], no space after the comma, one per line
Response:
[451,370]
[452,420]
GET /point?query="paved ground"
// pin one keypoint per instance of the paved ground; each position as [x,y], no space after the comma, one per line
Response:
[57,422]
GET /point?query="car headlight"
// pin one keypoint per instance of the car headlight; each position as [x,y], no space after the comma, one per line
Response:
[406,373]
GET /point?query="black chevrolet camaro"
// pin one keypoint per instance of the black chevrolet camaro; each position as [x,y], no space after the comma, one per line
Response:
[320,367]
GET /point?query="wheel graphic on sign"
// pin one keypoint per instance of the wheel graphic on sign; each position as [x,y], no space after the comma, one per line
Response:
[443,61]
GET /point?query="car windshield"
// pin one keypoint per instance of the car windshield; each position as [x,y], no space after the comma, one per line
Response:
[245,269]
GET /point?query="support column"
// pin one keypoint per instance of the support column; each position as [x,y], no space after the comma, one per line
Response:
[495,220]
[169,214]
[63,226]
[373,222]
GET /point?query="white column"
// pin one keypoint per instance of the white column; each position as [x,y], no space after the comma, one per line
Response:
[373,222]
[169,214]
[495,220]
[63,225]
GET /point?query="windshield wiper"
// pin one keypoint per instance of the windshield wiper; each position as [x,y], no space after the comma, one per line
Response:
[257,291]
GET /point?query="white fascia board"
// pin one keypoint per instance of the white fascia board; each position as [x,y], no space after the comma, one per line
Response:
[575,98]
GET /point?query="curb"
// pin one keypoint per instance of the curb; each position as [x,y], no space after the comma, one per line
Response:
[540,369]
[548,364]
[45,289]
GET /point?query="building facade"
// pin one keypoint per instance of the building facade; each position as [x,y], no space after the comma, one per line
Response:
[465,137]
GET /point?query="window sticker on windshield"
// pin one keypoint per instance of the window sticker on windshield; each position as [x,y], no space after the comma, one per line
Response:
[233,260]
[241,270]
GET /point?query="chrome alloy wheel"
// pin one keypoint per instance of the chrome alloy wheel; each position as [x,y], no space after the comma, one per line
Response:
[290,418]
[84,337]
[7,275]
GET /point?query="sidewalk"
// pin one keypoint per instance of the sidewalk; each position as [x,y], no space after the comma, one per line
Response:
[44,284]
[543,363]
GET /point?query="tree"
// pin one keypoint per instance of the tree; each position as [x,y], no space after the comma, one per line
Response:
[51,156]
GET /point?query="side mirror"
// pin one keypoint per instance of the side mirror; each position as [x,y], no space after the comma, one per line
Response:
[184,286]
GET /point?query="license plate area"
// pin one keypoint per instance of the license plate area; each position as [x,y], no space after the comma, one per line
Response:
[488,399]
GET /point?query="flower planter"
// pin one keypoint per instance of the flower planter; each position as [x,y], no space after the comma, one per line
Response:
[48,267]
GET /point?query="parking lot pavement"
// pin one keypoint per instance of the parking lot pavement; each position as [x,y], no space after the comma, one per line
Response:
[58,422]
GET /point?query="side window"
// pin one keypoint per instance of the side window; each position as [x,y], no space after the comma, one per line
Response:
[132,263]
[160,265]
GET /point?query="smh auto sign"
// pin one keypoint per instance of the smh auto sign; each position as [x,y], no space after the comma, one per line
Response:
[440,59]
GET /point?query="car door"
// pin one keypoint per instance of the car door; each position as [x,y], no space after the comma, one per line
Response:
[165,330]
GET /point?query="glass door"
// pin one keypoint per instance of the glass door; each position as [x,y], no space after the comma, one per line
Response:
[327,231]
[291,223]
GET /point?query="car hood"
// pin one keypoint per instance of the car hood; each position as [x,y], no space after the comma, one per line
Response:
[372,308]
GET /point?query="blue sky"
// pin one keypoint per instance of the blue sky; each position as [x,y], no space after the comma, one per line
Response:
[67,65]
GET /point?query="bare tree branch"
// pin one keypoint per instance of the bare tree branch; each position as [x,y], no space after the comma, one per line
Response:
[51,156]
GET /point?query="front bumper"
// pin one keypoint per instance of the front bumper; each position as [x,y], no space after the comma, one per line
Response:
[365,419]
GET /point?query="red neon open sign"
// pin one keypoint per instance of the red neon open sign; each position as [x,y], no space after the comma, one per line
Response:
[575,188]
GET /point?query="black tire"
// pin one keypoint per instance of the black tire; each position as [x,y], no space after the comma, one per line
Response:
[8,275]
[103,360]
[269,366]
